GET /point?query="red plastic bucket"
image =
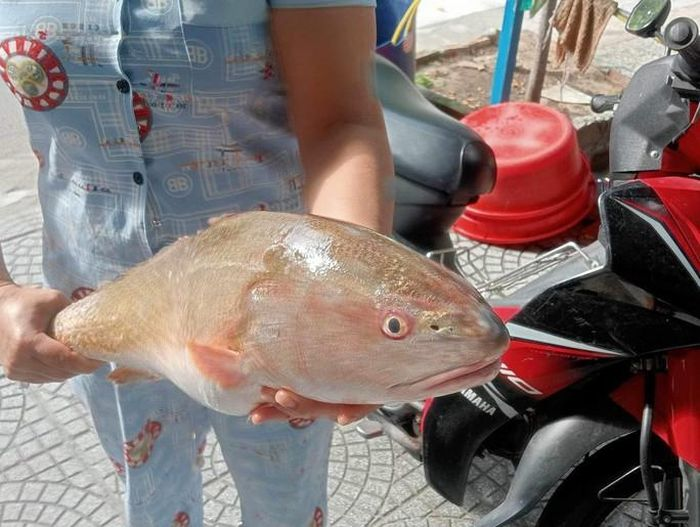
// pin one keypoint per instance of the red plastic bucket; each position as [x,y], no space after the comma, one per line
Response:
[544,185]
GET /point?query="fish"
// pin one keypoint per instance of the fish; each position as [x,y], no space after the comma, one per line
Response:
[331,310]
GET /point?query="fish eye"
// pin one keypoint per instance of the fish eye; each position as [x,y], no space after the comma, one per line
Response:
[395,327]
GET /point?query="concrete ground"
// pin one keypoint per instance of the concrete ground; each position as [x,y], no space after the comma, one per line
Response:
[52,470]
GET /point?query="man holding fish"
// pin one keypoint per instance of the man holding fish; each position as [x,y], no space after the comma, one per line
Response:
[149,118]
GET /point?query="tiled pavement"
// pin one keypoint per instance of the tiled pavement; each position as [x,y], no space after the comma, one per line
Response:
[53,472]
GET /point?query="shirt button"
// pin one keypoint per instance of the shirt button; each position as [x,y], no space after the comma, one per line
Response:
[123,85]
[138,178]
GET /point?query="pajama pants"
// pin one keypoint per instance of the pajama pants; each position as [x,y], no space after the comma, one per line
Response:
[154,435]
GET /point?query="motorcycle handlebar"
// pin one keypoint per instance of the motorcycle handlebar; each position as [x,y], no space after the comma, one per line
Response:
[604,103]
[681,35]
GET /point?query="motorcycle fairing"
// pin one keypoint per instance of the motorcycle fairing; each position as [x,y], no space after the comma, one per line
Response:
[454,430]
[456,427]
[533,370]
[589,311]
[551,452]
[649,244]
[681,199]
[639,135]
[644,300]
[683,156]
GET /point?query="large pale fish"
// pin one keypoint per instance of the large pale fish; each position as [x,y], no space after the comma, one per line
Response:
[330,310]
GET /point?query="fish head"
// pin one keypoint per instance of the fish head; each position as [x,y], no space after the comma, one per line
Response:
[429,347]
[409,345]
[377,322]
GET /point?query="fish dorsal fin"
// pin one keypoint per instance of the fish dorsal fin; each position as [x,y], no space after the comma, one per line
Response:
[125,375]
[218,364]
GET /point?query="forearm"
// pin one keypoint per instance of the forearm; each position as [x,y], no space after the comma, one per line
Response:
[326,59]
[350,175]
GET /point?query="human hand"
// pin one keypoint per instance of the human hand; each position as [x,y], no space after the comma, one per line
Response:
[284,405]
[27,353]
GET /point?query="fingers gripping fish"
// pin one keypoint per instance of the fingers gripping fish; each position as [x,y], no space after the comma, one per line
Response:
[329,310]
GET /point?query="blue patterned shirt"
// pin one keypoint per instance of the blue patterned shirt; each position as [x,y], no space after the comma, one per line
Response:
[148,117]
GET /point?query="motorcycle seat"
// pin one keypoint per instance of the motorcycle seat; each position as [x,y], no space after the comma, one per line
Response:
[444,161]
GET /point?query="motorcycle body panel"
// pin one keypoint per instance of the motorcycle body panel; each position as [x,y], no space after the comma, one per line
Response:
[456,426]
[549,455]
[684,157]
[576,341]
[533,370]
[650,115]
[681,199]
[652,246]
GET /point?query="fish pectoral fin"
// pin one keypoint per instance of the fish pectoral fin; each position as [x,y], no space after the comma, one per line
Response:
[218,364]
[125,375]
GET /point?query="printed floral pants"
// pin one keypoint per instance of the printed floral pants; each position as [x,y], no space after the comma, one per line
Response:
[155,436]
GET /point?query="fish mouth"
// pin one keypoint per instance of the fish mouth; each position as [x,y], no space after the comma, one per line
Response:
[456,379]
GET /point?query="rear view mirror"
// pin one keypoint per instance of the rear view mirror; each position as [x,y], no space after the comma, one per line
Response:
[647,17]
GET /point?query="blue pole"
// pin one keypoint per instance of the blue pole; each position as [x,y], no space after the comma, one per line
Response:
[507,51]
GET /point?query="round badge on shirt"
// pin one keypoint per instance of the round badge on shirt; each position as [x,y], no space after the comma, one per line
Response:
[33,73]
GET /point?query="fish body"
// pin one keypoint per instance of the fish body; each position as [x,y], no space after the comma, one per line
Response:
[333,311]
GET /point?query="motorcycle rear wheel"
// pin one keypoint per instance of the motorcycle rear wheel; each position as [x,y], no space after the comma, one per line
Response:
[575,503]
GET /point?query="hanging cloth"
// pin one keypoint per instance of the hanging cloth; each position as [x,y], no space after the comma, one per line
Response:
[580,24]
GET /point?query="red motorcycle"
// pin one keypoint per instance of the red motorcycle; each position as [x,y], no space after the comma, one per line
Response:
[597,403]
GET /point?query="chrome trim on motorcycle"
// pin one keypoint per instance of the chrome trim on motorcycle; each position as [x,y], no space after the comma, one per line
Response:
[517,278]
